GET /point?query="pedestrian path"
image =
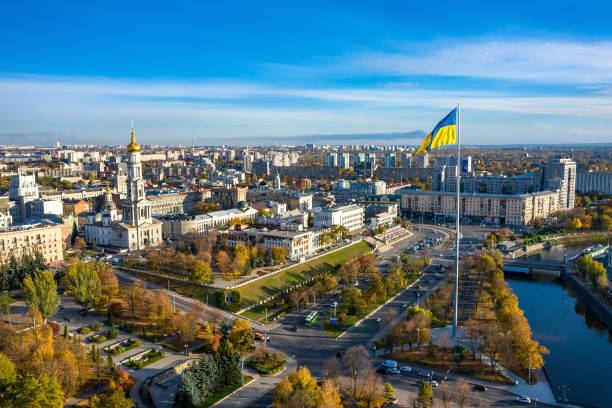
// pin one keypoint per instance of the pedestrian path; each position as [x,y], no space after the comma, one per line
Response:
[541,391]
[261,385]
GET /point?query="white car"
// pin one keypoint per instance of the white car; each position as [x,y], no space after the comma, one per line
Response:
[334,304]
[390,364]
[523,399]
[393,371]
[405,369]
[433,383]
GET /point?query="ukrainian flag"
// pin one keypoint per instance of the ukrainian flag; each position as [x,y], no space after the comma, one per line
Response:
[444,133]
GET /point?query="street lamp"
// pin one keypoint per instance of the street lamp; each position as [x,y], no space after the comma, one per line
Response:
[418,341]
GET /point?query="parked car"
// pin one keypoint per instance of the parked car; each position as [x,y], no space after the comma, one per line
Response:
[259,336]
[523,399]
[433,383]
[390,364]
[393,371]
[405,369]
[381,370]
[377,320]
[479,387]
[425,374]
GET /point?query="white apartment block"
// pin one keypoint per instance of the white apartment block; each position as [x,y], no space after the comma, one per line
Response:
[587,181]
[349,216]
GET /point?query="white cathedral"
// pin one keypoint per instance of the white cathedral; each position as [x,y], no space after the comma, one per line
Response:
[134,229]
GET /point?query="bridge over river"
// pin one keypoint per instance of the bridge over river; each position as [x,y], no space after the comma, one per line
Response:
[530,266]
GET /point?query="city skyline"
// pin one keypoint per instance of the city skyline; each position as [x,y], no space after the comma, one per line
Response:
[282,75]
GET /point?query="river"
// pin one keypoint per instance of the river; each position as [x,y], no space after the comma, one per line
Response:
[580,346]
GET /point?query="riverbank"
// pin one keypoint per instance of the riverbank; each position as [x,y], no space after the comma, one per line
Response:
[590,299]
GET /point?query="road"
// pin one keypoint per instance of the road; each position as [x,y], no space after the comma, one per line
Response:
[311,347]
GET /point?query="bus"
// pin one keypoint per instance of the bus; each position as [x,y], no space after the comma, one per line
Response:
[311,318]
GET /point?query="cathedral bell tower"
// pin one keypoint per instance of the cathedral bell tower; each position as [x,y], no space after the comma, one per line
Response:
[136,208]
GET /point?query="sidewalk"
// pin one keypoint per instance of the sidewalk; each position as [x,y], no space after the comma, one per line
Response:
[258,387]
[541,391]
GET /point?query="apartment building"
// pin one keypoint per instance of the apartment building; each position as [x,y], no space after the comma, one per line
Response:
[349,216]
[28,239]
[587,181]
[511,209]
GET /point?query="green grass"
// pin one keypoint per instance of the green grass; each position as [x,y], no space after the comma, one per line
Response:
[263,288]
[130,344]
[222,392]
[267,363]
[334,330]
[152,356]
[589,238]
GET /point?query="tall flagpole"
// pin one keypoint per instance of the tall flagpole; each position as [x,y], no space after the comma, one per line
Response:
[456,308]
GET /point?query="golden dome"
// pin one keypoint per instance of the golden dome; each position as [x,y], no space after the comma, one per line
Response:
[133,146]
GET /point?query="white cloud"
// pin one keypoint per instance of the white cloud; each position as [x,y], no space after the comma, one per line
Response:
[230,108]
[549,62]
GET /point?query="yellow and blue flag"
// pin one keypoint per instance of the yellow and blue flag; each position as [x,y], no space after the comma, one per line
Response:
[444,133]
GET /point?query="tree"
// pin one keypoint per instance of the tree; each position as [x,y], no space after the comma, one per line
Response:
[33,392]
[279,255]
[298,389]
[425,395]
[134,296]
[463,390]
[83,281]
[330,395]
[108,283]
[228,362]
[113,398]
[75,233]
[200,272]
[537,224]
[79,243]
[8,372]
[41,293]
[389,392]
[355,360]
[241,336]
[5,305]
[223,261]
[198,382]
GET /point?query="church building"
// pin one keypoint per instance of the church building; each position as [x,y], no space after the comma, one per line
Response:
[134,229]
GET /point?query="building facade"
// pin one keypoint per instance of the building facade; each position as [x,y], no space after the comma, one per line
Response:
[513,209]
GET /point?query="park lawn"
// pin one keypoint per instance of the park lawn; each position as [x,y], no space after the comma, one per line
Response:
[223,392]
[258,314]
[589,238]
[263,288]
[442,361]
[333,330]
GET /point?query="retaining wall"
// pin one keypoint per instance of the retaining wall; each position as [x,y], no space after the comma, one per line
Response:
[603,311]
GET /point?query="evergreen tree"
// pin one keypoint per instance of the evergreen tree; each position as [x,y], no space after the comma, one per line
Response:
[228,363]
[197,383]
[75,233]
[66,336]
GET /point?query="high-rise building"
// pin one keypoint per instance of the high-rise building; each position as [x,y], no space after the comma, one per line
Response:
[23,189]
[389,160]
[560,174]
[331,159]
[344,160]
[247,163]
[358,159]
[406,160]
[594,181]
[277,182]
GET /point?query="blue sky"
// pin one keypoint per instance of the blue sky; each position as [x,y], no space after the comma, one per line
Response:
[254,72]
